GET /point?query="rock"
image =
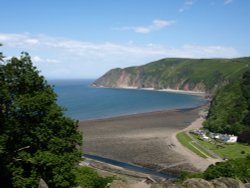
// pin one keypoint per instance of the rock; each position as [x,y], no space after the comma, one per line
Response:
[165,185]
[190,183]
[42,184]
[118,184]
[227,183]
[121,184]
[247,185]
[197,183]
[216,183]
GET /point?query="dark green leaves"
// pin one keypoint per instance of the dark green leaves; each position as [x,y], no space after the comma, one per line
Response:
[229,111]
[36,139]
[87,177]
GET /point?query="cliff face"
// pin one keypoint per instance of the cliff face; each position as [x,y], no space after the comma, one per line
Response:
[204,75]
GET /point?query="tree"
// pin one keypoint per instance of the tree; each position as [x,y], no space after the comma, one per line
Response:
[232,168]
[36,139]
[245,136]
[245,86]
[230,109]
[1,54]
[227,110]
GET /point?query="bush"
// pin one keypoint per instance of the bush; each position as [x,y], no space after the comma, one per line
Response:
[244,136]
[89,178]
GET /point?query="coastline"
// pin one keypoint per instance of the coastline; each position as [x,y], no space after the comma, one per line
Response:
[168,90]
[143,114]
[146,139]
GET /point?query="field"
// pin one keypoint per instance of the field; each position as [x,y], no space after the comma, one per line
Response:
[187,141]
[229,151]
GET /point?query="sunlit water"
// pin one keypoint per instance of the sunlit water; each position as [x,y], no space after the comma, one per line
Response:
[84,102]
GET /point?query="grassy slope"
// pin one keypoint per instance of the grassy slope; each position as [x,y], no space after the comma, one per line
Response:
[211,72]
[208,71]
[229,151]
[186,141]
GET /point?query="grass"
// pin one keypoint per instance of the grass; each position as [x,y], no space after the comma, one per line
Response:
[186,141]
[229,151]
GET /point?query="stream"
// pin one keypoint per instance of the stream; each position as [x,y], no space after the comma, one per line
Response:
[131,167]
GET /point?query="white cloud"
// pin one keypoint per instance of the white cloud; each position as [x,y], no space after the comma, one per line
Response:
[226,2]
[60,57]
[52,60]
[210,51]
[190,2]
[187,4]
[32,41]
[37,59]
[154,26]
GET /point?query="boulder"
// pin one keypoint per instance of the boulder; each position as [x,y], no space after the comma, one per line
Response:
[216,183]
[227,183]
[247,185]
[197,183]
[42,184]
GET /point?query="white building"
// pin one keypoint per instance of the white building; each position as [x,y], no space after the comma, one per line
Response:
[204,137]
[226,138]
[231,139]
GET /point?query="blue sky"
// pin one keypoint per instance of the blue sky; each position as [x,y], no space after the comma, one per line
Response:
[86,38]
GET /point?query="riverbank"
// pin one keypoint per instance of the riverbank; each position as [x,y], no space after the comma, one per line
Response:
[142,139]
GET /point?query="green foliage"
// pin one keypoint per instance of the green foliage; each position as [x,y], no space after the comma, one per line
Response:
[1,54]
[88,178]
[229,151]
[206,74]
[245,136]
[230,108]
[184,175]
[36,139]
[233,168]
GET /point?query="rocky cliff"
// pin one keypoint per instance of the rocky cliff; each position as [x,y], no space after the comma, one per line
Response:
[204,75]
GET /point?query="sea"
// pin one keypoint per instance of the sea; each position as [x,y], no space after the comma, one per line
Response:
[83,102]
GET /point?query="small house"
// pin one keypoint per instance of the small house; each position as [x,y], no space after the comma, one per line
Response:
[227,138]
[204,137]
[231,139]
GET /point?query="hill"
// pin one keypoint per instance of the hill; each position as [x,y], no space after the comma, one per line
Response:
[205,75]
[230,109]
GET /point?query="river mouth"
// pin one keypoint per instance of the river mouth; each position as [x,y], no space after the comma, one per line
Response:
[132,167]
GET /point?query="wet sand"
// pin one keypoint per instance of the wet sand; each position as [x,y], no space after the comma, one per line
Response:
[142,139]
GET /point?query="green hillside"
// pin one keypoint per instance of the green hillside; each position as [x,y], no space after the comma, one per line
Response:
[230,109]
[177,73]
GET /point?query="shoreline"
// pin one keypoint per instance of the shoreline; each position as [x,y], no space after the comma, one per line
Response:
[145,139]
[140,114]
[199,162]
[167,90]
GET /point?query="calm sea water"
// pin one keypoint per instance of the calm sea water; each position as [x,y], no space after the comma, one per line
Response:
[84,102]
